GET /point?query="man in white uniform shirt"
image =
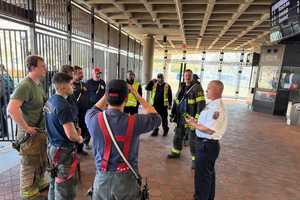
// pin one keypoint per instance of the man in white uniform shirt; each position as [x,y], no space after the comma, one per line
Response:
[210,128]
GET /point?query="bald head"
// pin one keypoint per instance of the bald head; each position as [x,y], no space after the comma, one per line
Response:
[215,89]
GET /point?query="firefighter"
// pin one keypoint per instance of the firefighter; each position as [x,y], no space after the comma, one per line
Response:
[62,137]
[114,180]
[82,100]
[189,101]
[161,99]
[132,104]
[210,128]
[95,87]
[26,109]
[95,90]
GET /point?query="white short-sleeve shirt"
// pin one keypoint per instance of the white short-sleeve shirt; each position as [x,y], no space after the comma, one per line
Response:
[213,117]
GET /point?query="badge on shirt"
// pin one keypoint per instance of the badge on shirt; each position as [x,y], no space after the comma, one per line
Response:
[216,115]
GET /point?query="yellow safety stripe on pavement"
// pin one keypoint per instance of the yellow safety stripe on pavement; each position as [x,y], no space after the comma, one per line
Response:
[175,151]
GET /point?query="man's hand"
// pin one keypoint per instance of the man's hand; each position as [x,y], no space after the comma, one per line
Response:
[31,130]
[191,121]
[132,90]
[78,131]
[80,140]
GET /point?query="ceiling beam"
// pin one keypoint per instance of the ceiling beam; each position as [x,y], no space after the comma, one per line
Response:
[253,26]
[104,16]
[253,40]
[208,12]
[172,44]
[97,1]
[158,43]
[149,8]
[128,14]
[179,15]
[242,8]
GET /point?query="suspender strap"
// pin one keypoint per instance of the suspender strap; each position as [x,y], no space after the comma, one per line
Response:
[56,157]
[56,161]
[72,170]
[107,143]
[127,142]
[126,139]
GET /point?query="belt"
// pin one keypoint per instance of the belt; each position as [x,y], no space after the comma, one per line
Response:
[121,167]
[199,139]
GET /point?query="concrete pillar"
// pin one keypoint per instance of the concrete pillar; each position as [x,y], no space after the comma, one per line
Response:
[148,54]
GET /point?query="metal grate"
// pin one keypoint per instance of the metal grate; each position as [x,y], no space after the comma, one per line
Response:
[81,22]
[13,50]
[52,14]
[53,50]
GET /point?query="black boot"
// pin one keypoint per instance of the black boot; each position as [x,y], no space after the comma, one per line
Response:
[155,132]
[193,165]
[174,156]
[166,131]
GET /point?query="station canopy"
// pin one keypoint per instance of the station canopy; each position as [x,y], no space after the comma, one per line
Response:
[192,24]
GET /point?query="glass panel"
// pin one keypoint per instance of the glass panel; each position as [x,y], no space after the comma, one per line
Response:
[290,79]
[229,79]
[244,84]
[269,77]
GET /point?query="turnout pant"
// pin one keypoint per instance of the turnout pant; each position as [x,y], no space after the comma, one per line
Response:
[67,189]
[115,186]
[33,164]
[207,152]
[180,133]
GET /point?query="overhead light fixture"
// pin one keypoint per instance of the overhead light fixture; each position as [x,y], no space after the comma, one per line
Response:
[165,39]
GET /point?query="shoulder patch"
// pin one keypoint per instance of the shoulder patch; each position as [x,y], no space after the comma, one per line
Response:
[216,115]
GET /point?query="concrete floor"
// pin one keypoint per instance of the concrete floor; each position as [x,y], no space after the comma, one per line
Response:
[259,160]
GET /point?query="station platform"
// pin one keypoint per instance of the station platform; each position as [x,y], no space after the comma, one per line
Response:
[259,160]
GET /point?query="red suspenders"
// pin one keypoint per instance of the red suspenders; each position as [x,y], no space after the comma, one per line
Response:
[126,139]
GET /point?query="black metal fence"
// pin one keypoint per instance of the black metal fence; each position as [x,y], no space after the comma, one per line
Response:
[13,50]
[63,32]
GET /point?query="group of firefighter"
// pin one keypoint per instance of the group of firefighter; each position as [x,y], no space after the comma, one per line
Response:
[52,131]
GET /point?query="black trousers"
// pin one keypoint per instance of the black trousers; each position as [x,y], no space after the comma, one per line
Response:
[207,152]
[163,112]
[84,133]
[3,119]
[131,110]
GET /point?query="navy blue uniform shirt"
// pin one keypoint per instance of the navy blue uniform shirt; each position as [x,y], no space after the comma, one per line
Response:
[95,90]
[118,122]
[58,112]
